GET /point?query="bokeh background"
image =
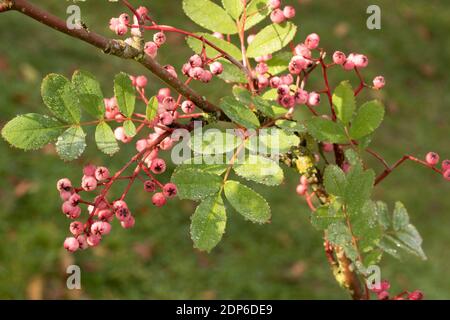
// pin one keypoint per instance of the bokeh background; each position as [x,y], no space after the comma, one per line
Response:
[284,259]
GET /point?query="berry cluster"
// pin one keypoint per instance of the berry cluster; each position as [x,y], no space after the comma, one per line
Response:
[279,15]
[195,68]
[432,159]
[382,292]
[101,211]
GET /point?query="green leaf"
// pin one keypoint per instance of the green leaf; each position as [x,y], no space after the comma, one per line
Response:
[60,97]
[271,39]
[339,234]
[206,163]
[129,128]
[125,94]
[208,223]
[325,216]
[400,217]
[367,119]
[152,109]
[71,143]
[279,62]
[257,11]
[326,130]
[239,113]
[268,108]
[89,93]
[32,131]
[104,137]
[291,126]
[359,188]
[259,169]
[195,184]
[383,215]
[231,73]
[353,158]
[366,227]
[272,141]
[210,16]
[344,101]
[335,180]
[242,95]
[270,94]
[213,141]
[197,45]
[247,202]
[233,7]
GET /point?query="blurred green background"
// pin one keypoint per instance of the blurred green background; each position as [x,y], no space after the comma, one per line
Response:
[282,260]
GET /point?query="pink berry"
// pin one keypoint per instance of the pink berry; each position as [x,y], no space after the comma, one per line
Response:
[102,173]
[339,57]
[93,240]
[122,213]
[312,41]
[287,79]
[445,165]
[186,69]
[151,49]
[327,147]
[304,180]
[100,228]
[206,76]
[74,199]
[432,158]
[158,166]
[113,23]
[283,90]
[159,199]
[415,295]
[297,64]
[313,99]
[302,50]
[216,68]
[170,69]
[89,183]
[166,144]
[70,211]
[348,65]
[82,242]
[275,82]
[196,61]
[346,167]
[170,190]
[141,145]
[124,18]
[218,35]
[141,81]
[360,61]
[71,244]
[128,223]
[121,29]
[166,118]
[169,103]
[65,195]
[383,286]
[289,12]
[89,170]
[64,185]
[287,101]
[164,92]
[301,189]
[149,186]
[142,11]
[277,16]
[446,174]
[301,96]
[274,4]
[76,228]
[196,73]
[262,68]
[105,215]
[120,204]
[120,135]
[263,81]
[383,295]
[187,106]
[379,82]
[159,38]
